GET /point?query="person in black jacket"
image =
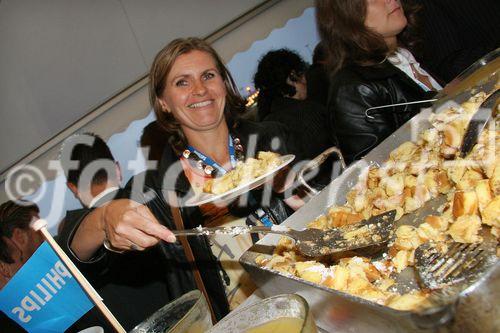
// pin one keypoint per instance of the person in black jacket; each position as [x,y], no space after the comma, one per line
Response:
[456,33]
[197,104]
[281,82]
[318,81]
[368,43]
[121,279]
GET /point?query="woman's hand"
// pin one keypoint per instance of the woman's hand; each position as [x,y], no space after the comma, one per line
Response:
[120,225]
[129,225]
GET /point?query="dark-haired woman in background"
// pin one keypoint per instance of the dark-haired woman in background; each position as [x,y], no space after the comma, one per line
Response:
[281,81]
[369,44]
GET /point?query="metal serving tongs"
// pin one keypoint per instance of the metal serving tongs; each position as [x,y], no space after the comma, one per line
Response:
[368,114]
[316,163]
[449,263]
[448,270]
[478,123]
[315,242]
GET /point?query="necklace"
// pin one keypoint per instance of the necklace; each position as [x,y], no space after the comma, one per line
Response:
[211,168]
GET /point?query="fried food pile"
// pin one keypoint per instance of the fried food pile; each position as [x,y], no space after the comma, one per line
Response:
[243,173]
[415,173]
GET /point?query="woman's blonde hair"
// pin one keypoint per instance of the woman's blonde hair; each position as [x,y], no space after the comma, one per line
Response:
[160,69]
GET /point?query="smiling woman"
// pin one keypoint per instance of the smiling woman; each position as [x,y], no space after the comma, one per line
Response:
[195,94]
[189,89]
[198,107]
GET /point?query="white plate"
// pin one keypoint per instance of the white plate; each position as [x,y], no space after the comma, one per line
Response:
[203,198]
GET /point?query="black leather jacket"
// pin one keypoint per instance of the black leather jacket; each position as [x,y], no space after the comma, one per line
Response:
[354,89]
[170,177]
[306,121]
[145,279]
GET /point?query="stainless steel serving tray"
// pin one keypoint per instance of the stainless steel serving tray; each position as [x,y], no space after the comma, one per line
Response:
[476,74]
[475,309]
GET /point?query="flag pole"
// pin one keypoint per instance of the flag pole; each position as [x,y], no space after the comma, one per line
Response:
[41,225]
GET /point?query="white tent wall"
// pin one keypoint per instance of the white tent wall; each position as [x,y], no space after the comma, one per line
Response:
[62,58]
[132,107]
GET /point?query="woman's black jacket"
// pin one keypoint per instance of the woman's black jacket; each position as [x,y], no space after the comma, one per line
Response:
[159,183]
[356,88]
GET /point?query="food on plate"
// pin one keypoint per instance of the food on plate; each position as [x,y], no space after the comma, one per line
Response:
[243,173]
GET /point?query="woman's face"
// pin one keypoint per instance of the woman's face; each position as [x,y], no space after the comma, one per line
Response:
[195,92]
[385,17]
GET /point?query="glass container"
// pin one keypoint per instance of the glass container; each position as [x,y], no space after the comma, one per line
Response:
[187,314]
[287,313]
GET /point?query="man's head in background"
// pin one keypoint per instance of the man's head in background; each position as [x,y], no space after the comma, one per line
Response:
[89,166]
[320,54]
[17,240]
[156,139]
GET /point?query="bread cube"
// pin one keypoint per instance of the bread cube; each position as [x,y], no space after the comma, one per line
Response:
[465,203]
[465,229]
[491,213]
[483,193]
[408,301]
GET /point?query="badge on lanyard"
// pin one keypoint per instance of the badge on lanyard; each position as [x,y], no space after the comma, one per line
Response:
[208,161]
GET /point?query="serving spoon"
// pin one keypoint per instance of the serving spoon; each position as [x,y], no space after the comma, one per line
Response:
[315,242]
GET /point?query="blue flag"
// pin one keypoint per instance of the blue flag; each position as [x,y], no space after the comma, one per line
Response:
[44,296]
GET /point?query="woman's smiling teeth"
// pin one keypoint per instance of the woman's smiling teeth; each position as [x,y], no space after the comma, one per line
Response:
[200,104]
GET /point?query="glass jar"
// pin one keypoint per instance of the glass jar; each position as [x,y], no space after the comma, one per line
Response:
[187,314]
[287,313]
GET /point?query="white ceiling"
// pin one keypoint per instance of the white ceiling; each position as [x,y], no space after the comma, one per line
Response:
[62,58]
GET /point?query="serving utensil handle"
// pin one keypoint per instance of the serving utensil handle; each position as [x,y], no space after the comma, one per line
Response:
[315,163]
[368,114]
[478,123]
[231,231]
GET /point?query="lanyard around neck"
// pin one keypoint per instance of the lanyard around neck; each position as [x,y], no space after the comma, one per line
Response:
[208,161]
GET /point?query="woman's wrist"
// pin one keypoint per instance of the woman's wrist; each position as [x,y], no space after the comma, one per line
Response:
[101,219]
[89,236]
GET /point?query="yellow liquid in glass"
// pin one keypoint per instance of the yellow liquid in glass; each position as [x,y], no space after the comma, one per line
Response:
[280,325]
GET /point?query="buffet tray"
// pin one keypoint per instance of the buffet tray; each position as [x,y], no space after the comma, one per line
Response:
[474,309]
